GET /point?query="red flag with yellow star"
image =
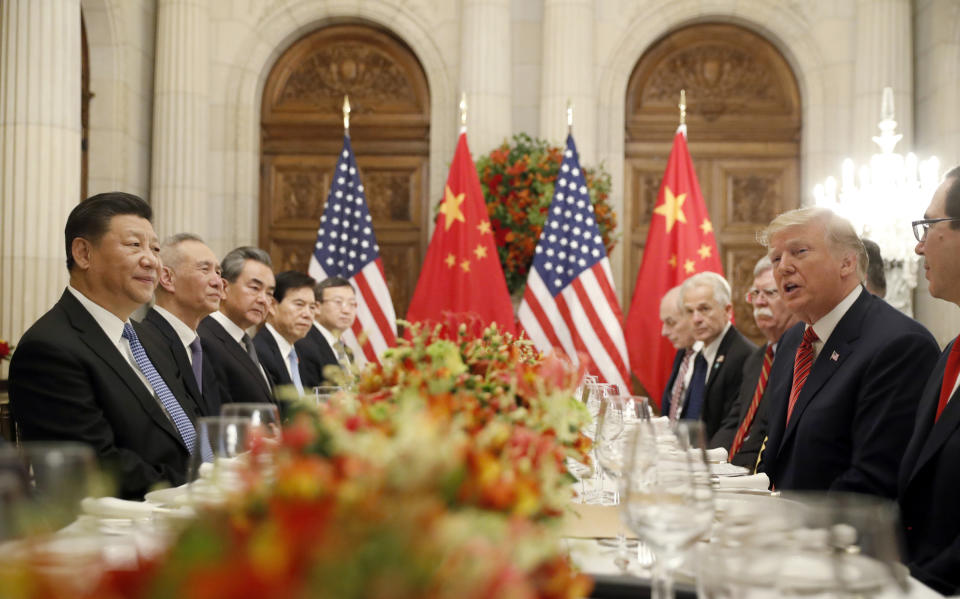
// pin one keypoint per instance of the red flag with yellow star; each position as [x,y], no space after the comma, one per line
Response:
[680,243]
[462,280]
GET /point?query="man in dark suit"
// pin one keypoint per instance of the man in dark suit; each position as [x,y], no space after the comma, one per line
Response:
[745,426]
[83,372]
[843,386]
[676,327]
[248,288]
[289,320]
[929,489]
[721,350]
[189,291]
[334,313]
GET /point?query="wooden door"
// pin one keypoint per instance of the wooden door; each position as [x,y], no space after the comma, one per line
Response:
[743,123]
[302,135]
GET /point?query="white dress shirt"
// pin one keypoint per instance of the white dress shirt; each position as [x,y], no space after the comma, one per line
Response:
[184,332]
[825,326]
[237,334]
[284,346]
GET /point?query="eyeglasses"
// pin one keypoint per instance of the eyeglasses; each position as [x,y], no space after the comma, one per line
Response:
[341,303]
[920,227]
[754,294]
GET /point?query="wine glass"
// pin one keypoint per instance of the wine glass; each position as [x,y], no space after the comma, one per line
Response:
[228,441]
[667,498]
[323,393]
[264,418]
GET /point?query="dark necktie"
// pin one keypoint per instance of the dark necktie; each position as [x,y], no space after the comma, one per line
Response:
[184,426]
[679,386]
[949,377]
[754,403]
[698,384]
[801,367]
[196,363]
[252,352]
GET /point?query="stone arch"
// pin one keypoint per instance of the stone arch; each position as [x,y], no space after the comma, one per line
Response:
[787,31]
[288,21]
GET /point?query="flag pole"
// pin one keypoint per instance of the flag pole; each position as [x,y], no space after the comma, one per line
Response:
[683,112]
[463,112]
[569,117]
[346,115]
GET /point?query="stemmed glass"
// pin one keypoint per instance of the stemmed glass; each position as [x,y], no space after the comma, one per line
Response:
[667,497]
[264,417]
[228,439]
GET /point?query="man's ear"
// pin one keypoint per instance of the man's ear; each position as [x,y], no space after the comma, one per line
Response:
[848,264]
[81,250]
[729,311]
[167,279]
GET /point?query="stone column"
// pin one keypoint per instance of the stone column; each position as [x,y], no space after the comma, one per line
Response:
[485,72]
[568,74]
[883,58]
[181,113]
[39,154]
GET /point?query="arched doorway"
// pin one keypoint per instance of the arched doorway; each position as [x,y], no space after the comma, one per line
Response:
[302,134]
[743,122]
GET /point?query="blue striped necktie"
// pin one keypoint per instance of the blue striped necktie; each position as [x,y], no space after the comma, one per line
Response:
[187,432]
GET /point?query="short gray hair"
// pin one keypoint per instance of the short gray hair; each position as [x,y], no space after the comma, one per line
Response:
[169,253]
[763,265]
[678,297]
[838,231]
[721,289]
[232,264]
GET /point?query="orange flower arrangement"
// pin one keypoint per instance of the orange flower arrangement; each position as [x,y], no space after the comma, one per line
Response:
[517,182]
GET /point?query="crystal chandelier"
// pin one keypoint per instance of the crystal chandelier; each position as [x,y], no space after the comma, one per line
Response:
[882,199]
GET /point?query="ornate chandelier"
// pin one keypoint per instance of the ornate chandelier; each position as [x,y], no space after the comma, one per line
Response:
[881,199]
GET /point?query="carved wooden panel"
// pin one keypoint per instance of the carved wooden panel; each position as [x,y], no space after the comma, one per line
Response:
[743,121]
[302,134]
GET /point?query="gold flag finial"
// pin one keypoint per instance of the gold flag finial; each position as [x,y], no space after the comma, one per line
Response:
[346,114]
[683,107]
[569,117]
[463,111]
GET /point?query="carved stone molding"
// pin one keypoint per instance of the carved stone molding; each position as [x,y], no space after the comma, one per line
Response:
[301,193]
[754,198]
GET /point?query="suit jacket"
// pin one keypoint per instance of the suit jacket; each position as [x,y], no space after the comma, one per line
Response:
[315,354]
[274,363]
[723,380]
[667,391]
[929,490]
[854,415]
[208,399]
[747,456]
[240,379]
[68,382]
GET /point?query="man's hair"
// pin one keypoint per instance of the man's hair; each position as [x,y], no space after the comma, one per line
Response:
[678,297]
[232,264]
[837,231]
[327,284]
[952,201]
[763,265]
[876,278]
[721,289]
[169,252]
[90,219]
[290,280]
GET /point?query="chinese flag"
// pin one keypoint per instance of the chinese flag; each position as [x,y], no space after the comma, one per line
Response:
[462,280]
[680,243]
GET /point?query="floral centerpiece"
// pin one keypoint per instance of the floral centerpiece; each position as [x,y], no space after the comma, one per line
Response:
[517,180]
[5,350]
[441,476]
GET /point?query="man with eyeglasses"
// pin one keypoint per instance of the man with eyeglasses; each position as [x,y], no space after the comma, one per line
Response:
[745,426]
[929,489]
[248,280]
[334,312]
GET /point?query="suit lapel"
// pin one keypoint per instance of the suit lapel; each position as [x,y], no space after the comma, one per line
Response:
[936,433]
[179,353]
[279,362]
[839,346]
[92,335]
[720,359]
[235,351]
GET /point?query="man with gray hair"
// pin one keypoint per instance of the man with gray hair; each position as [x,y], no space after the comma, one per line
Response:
[843,387]
[721,350]
[189,290]
[745,426]
[248,291]
[679,330]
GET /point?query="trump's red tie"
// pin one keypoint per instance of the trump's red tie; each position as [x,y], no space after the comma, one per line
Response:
[754,403]
[801,367]
[949,377]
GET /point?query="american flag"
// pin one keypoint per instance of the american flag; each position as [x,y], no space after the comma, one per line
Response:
[570,303]
[347,248]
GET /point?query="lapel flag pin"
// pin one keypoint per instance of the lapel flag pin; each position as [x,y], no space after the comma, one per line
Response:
[720,359]
[834,356]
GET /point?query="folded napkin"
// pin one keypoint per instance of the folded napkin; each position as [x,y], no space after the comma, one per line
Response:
[717,455]
[111,507]
[754,482]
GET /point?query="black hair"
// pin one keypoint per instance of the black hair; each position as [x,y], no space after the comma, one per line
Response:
[90,219]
